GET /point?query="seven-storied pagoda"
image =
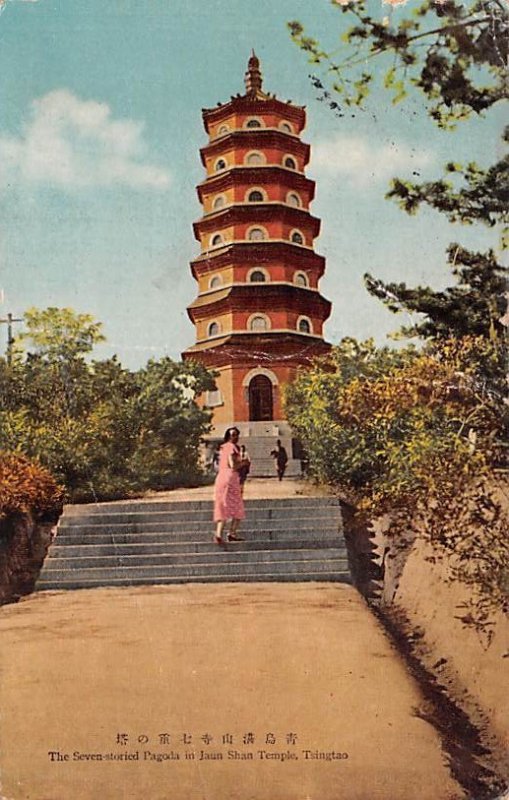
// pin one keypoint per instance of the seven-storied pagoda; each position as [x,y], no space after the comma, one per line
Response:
[259,313]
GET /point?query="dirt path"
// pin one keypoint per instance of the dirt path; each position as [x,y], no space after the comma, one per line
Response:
[261,660]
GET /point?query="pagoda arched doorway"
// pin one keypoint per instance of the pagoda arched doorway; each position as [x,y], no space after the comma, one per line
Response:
[261,400]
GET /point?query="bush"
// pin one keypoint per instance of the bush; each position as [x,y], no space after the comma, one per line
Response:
[400,431]
[26,487]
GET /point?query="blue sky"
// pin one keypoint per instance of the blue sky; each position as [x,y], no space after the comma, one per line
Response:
[99,137]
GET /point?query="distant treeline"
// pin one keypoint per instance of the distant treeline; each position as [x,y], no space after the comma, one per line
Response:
[102,430]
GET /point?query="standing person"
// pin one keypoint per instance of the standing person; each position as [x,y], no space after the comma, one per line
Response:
[281,457]
[244,471]
[228,502]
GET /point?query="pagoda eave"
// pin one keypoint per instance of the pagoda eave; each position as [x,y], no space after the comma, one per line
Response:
[237,297]
[248,174]
[260,137]
[259,212]
[254,105]
[259,350]
[257,253]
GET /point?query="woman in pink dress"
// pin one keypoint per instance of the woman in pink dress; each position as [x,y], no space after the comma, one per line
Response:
[228,502]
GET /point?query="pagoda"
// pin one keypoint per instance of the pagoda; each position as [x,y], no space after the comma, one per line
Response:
[259,313]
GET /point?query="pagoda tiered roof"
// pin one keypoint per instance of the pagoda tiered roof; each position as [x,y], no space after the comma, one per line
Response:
[279,295]
[259,349]
[257,105]
[240,174]
[253,138]
[257,253]
[257,213]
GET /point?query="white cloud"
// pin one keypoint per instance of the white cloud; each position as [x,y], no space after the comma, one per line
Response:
[72,143]
[362,161]
[3,3]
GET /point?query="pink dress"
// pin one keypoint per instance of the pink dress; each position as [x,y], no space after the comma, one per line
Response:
[228,502]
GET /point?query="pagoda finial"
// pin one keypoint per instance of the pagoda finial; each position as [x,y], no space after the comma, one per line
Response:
[253,76]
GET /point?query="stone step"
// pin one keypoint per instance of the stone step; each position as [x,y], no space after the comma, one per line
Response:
[332,576]
[198,533]
[200,527]
[183,518]
[114,506]
[224,568]
[261,446]
[109,548]
[140,542]
[265,468]
[207,557]
[179,540]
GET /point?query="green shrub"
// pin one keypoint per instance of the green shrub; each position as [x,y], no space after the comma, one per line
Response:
[399,432]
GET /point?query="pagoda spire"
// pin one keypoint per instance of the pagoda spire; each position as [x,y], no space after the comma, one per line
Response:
[253,76]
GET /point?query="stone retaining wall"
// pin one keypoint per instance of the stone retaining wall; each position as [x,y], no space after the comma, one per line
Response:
[24,542]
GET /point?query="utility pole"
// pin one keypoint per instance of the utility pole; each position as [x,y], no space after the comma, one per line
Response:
[9,320]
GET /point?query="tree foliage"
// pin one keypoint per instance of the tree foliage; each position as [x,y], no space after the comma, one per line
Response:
[397,431]
[468,194]
[478,301]
[454,53]
[101,429]
[474,306]
[60,334]
[403,431]
[383,423]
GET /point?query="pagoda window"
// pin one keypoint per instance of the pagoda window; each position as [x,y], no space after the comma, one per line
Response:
[223,129]
[255,196]
[216,240]
[290,162]
[219,202]
[254,159]
[213,329]
[304,325]
[257,276]
[259,322]
[301,279]
[215,282]
[220,165]
[286,127]
[297,237]
[257,234]
[253,122]
[293,199]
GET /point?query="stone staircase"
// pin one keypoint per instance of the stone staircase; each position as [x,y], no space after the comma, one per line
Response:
[262,463]
[260,439]
[136,543]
